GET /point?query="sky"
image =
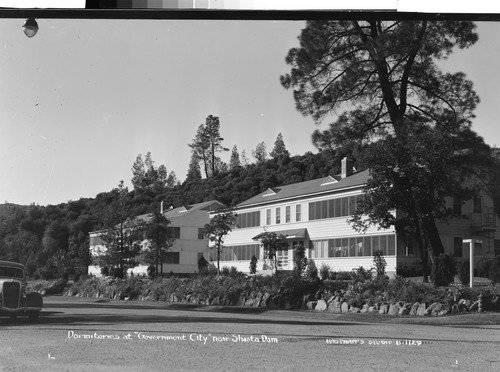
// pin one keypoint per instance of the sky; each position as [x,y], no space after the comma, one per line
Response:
[81,99]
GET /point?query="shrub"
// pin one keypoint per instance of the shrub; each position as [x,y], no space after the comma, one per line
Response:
[253,265]
[380,263]
[312,270]
[325,271]
[299,260]
[492,268]
[407,271]
[463,271]
[402,289]
[362,275]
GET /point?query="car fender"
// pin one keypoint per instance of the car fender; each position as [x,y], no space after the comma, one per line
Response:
[34,300]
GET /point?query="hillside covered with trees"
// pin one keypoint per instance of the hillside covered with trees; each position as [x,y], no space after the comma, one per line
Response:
[53,240]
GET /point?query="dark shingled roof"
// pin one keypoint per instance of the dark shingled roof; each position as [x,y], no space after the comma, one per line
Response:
[308,188]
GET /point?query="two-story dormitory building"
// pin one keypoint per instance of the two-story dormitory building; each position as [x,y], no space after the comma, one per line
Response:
[187,223]
[315,213]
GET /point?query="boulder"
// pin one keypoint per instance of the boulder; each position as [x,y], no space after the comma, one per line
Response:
[354,309]
[249,302]
[215,301]
[344,307]
[383,309]
[421,309]
[414,309]
[430,309]
[241,301]
[394,309]
[365,308]
[474,306]
[321,305]
[263,301]
[257,299]
[335,306]
[310,305]
[405,309]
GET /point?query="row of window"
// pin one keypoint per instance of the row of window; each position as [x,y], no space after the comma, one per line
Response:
[339,207]
[288,215]
[360,246]
[138,235]
[240,252]
[170,258]
[250,219]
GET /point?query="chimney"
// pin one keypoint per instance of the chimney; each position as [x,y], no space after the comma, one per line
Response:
[347,168]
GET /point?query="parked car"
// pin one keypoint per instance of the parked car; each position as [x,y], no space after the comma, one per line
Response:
[15,298]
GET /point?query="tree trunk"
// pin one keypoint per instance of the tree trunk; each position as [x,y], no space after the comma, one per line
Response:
[432,232]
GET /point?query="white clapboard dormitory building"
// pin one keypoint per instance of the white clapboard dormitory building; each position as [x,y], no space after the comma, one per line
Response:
[315,213]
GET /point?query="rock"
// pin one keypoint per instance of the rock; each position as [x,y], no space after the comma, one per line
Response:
[383,309]
[474,306]
[241,301]
[405,309]
[431,308]
[215,301]
[321,305]
[414,309]
[365,308]
[249,302]
[263,301]
[335,307]
[394,309]
[354,310]
[328,297]
[310,305]
[421,309]
[257,299]
[344,307]
[465,302]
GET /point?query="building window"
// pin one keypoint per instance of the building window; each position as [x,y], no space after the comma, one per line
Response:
[278,215]
[340,207]
[268,217]
[201,233]
[250,219]
[175,232]
[240,252]
[478,249]
[287,214]
[298,212]
[172,258]
[355,246]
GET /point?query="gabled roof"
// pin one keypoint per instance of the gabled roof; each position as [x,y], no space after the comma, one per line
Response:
[182,211]
[208,206]
[309,188]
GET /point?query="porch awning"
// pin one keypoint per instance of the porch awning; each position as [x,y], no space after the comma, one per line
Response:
[290,234]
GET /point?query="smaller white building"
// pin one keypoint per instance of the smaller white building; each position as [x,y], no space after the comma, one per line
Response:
[187,223]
